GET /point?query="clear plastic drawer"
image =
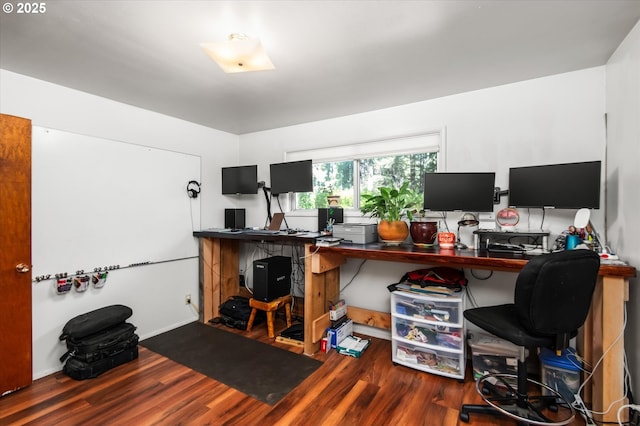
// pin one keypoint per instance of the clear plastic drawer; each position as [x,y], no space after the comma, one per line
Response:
[435,309]
[427,333]
[448,363]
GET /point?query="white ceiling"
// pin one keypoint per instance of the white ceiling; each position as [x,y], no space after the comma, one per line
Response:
[332,58]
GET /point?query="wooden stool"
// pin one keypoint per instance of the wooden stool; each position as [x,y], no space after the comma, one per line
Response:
[270,308]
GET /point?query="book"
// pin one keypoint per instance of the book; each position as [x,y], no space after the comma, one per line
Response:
[430,289]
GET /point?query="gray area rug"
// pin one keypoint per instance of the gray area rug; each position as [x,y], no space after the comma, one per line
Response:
[264,372]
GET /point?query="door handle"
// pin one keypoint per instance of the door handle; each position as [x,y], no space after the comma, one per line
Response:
[22,268]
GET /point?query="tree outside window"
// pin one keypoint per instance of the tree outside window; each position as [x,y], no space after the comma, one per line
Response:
[339,177]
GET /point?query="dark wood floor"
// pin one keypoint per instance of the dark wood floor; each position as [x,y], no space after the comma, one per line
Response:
[155,390]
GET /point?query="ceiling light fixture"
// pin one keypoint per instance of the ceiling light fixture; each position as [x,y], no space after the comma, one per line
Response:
[239,53]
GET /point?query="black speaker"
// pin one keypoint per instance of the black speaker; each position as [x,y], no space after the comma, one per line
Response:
[335,213]
[271,278]
[234,218]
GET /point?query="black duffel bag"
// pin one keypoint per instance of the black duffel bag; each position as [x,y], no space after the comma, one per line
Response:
[235,313]
[95,321]
[103,344]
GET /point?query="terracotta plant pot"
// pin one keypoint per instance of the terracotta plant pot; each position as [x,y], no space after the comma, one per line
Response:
[333,200]
[393,233]
[424,234]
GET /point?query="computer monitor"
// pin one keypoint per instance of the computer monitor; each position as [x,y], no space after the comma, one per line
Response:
[472,192]
[240,180]
[293,176]
[560,186]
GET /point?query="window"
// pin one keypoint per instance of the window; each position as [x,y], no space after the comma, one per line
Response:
[350,171]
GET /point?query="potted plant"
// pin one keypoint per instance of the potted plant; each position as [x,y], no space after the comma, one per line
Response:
[333,200]
[390,205]
[423,230]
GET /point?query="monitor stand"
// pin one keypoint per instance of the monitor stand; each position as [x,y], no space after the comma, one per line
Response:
[481,234]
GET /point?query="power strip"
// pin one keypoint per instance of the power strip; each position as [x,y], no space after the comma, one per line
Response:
[578,404]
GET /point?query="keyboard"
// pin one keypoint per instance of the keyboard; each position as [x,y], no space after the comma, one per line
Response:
[505,248]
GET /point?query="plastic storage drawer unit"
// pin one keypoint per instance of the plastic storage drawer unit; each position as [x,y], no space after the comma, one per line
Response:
[428,332]
[561,373]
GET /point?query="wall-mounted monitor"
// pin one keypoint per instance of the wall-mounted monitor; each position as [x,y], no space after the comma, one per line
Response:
[472,192]
[240,180]
[293,176]
[560,186]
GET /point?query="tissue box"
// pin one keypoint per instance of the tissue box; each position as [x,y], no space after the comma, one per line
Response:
[338,310]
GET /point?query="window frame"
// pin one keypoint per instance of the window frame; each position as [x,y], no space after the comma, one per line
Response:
[429,141]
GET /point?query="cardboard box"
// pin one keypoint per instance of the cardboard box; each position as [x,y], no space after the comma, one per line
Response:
[352,346]
[357,233]
[490,354]
[338,334]
[338,310]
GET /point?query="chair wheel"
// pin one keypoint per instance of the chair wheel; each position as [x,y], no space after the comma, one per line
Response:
[464,417]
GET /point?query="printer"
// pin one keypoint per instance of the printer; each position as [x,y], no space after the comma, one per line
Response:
[357,233]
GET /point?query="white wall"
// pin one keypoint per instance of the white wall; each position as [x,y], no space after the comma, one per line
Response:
[623,174]
[547,120]
[156,292]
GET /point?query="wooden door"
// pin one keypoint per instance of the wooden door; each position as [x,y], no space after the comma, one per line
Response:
[15,253]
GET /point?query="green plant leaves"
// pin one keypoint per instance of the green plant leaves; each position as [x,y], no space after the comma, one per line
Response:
[391,203]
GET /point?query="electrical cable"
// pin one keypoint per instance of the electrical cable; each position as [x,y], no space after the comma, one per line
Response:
[472,299]
[597,364]
[297,272]
[267,192]
[354,275]
[311,254]
[191,200]
[622,407]
[473,274]
[444,219]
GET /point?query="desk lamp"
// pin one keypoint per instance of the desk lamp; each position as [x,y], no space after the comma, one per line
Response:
[467,219]
[583,220]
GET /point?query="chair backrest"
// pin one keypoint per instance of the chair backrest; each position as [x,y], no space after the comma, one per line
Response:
[553,291]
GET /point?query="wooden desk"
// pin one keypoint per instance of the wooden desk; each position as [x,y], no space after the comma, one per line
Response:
[219,280]
[604,324]
[220,265]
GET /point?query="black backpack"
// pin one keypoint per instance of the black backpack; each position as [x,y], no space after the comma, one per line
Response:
[235,313]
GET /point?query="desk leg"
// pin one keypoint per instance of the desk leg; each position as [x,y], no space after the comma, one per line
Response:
[219,266]
[209,278]
[319,289]
[607,321]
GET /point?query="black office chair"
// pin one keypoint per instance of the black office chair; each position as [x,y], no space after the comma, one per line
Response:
[552,299]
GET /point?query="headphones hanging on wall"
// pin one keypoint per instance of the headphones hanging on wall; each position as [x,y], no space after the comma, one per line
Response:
[193,189]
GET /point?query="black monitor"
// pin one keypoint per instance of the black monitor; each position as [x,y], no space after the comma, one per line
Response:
[240,180]
[472,192]
[294,176]
[560,186]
